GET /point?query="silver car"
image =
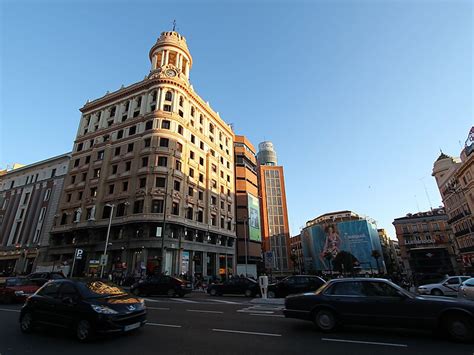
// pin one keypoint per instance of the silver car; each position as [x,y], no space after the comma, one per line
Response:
[466,290]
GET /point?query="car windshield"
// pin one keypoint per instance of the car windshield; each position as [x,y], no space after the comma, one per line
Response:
[16,282]
[99,289]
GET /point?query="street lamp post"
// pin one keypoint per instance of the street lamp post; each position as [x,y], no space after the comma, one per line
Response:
[107,238]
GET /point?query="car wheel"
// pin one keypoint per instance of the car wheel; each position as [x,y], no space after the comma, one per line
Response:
[437,292]
[136,291]
[325,320]
[83,331]
[248,293]
[460,328]
[26,322]
[271,294]
[213,292]
[171,292]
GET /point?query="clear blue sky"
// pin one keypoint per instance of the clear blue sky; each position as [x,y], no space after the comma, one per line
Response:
[357,96]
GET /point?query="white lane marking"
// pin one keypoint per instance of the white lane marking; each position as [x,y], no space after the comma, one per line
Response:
[159,308]
[364,342]
[267,315]
[245,310]
[150,300]
[10,310]
[165,325]
[245,332]
[183,300]
[222,301]
[203,311]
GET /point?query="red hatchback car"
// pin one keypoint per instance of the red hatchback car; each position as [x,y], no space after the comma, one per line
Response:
[16,289]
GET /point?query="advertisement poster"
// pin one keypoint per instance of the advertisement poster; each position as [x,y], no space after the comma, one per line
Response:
[359,238]
[254,219]
[185,261]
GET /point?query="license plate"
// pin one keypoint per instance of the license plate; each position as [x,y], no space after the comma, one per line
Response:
[131,327]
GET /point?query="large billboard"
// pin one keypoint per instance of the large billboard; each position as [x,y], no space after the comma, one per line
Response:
[254,219]
[360,238]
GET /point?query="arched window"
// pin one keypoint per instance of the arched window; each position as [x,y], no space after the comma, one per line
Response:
[192,111]
[211,128]
[181,101]
[169,96]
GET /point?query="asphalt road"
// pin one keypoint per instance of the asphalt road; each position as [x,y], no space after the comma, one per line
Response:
[199,324]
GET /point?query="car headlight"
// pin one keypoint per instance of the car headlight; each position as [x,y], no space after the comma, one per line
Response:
[103,309]
[19,293]
[142,303]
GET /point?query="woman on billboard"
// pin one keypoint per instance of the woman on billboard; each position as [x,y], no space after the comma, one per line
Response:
[331,245]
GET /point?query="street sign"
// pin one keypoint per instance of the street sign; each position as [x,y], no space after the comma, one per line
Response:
[79,254]
[103,260]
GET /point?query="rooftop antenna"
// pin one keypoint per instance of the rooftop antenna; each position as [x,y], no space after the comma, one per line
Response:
[174,25]
[426,192]
[417,205]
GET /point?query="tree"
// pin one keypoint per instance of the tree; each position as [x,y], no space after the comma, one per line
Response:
[344,262]
[376,255]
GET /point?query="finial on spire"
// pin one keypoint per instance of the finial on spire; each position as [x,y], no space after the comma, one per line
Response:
[174,25]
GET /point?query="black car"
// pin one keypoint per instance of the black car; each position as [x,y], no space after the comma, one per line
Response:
[294,284]
[87,307]
[379,302]
[162,285]
[235,286]
[40,278]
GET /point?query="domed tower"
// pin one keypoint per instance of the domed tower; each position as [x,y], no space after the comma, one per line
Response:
[444,168]
[170,56]
[266,154]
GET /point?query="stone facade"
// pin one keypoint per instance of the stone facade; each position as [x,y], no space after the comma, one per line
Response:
[158,159]
[29,198]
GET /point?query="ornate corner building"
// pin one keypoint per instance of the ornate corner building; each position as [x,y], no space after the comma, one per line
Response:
[157,162]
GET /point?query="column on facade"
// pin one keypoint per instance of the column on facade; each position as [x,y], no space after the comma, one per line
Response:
[178,56]
[158,98]
[187,70]
[155,58]
[144,104]
[167,56]
[163,57]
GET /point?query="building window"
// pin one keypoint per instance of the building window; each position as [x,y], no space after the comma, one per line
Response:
[120,134]
[214,184]
[73,179]
[68,197]
[191,172]
[164,142]
[96,173]
[147,142]
[201,145]
[201,119]
[76,164]
[117,151]
[192,111]
[47,195]
[157,206]
[178,165]
[88,159]
[167,108]
[160,182]
[190,191]
[112,111]
[26,198]
[214,168]
[80,146]
[111,189]
[201,195]
[211,128]
[42,213]
[228,178]
[162,161]
[179,147]
[106,211]
[189,213]
[191,155]
[114,169]
[181,113]
[200,216]
[64,219]
[201,177]
[120,210]
[142,183]
[213,200]
[128,165]
[180,129]
[149,125]
[181,101]
[201,161]
[175,209]
[138,206]
[193,138]
[93,191]
[222,222]
[213,220]
[177,185]
[125,186]
[84,176]
[144,162]
[100,155]
[168,96]
[222,189]
[130,148]
[79,195]
[222,174]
